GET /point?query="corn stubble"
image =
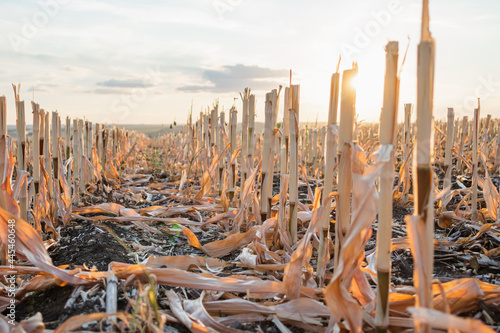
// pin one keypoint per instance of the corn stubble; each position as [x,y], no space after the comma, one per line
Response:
[387,139]
[265,256]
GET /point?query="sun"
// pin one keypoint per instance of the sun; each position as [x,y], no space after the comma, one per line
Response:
[355,82]
[369,85]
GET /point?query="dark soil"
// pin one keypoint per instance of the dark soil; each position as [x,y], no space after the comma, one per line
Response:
[51,304]
[88,244]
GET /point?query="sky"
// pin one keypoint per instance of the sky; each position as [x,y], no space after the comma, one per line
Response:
[133,62]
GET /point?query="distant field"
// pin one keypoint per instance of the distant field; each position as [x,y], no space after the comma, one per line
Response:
[151,130]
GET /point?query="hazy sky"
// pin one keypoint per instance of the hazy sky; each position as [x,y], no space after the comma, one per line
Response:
[145,61]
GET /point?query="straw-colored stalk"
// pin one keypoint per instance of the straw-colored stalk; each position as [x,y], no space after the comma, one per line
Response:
[42,131]
[469,139]
[105,135]
[214,137]
[322,151]
[293,188]
[68,150]
[114,143]
[456,131]
[221,143]
[486,137]
[59,134]
[277,148]
[98,140]
[347,113]
[55,160]
[286,132]
[330,161]
[214,125]
[423,190]
[89,143]
[438,138]
[311,146]
[493,125]
[46,153]
[36,146]
[117,139]
[21,157]
[387,138]
[55,142]
[233,172]
[300,139]
[86,138]
[190,135]
[197,135]
[272,149]
[76,160]
[448,156]
[355,132]
[251,130]
[266,149]
[112,296]
[68,137]
[475,133]
[309,150]
[206,137]
[244,135]
[314,147]
[284,162]
[81,151]
[463,135]
[406,145]
[307,147]
[201,134]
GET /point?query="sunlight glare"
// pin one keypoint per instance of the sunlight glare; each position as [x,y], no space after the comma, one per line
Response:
[355,82]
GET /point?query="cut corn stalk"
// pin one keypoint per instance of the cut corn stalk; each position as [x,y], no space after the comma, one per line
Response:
[387,137]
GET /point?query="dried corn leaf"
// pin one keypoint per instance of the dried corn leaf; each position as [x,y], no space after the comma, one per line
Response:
[443,321]
[222,247]
[185,262]
[80,320]
[179,278]
[462,295]
[197,311]
[490,192]
[175,304]
[30,246]
[107,208]
[302,309]
[7,198]
[301,256]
